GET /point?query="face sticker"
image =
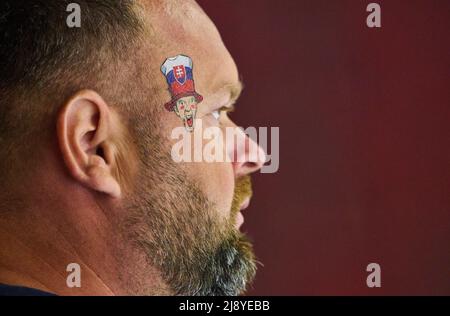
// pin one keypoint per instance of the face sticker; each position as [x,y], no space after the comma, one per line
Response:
[179,76]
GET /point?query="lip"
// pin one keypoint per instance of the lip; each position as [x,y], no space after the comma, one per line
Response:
[239,220]
[240,217]
[245,204]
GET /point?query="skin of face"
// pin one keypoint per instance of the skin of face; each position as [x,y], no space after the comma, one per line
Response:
[216,182]
[186,108]
[214,73]
[99,175]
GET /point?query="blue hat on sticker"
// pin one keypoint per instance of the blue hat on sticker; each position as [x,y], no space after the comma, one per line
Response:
[179,76]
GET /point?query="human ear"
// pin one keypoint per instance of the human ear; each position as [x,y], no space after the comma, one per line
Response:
[86,140]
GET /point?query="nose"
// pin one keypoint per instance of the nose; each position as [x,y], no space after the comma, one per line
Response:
[247,156]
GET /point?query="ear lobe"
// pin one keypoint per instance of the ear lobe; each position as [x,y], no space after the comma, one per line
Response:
[87,143]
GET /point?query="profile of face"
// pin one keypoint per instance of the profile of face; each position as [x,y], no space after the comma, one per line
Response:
[189,227]
[186,109]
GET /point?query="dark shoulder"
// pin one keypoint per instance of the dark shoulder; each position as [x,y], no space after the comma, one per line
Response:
[12,290]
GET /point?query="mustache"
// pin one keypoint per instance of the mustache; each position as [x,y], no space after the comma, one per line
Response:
[242,191]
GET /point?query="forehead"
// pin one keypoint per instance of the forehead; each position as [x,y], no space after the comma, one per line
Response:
[181,27]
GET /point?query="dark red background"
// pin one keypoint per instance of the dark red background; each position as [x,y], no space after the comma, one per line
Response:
[365,142]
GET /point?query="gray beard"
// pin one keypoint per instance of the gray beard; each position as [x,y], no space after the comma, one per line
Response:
[173,223]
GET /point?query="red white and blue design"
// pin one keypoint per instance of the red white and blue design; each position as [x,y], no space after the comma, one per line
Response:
[178,73]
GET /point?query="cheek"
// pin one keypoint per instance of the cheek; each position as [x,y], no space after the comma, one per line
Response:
[216,180]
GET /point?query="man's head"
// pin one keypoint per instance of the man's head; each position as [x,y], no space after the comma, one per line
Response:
[83,118]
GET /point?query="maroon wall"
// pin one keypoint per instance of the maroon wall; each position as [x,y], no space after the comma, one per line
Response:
[364,119]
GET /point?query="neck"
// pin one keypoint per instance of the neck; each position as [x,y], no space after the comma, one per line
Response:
[40,238]
[54,222]
[35,250]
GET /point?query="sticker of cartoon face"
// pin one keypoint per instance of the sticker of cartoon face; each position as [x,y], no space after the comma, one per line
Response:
[186,109]
[178,71]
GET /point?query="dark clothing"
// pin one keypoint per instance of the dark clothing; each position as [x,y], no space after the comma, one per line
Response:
[11,290]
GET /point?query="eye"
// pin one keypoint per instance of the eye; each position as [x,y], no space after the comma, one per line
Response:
[182,107]
[216,114]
